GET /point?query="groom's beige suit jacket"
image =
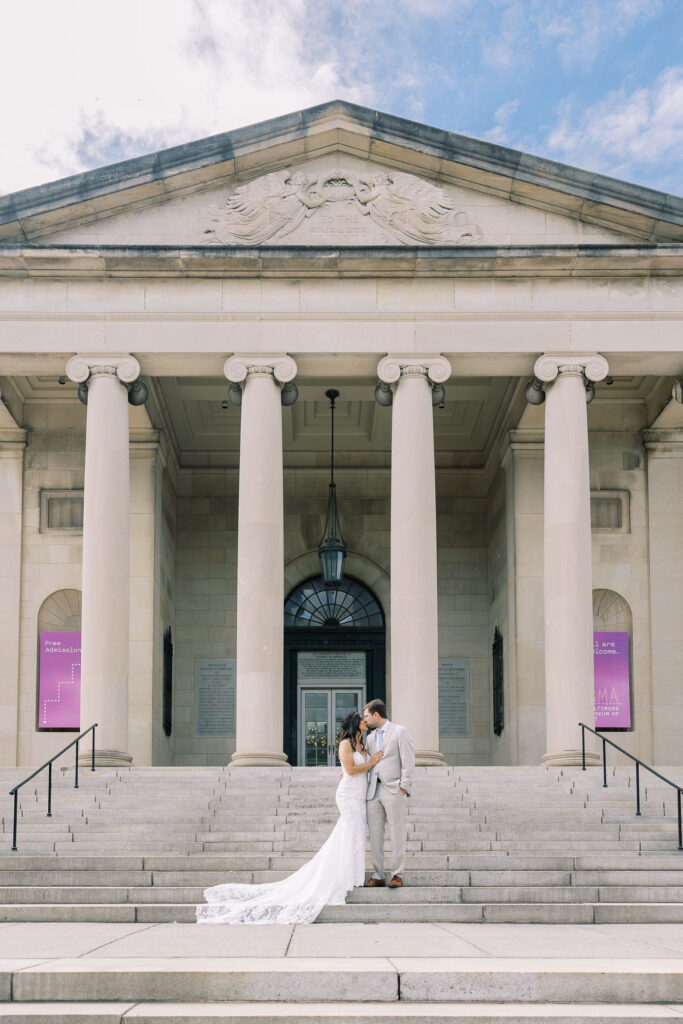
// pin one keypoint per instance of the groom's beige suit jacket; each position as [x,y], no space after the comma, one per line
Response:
[396,769]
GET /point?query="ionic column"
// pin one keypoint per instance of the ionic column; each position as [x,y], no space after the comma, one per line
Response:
[147,461]
[106,500]
[414,619]
[567,573]
[664,446]
[12,445]
[260,559]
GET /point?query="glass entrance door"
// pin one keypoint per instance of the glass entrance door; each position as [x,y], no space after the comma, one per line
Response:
[322,711]
[330,684]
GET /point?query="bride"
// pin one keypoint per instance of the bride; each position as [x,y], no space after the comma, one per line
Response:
[337,867]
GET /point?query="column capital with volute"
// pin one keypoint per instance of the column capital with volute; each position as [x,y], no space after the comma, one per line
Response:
[81,367]
[239,368]
[434,369]
[588,364]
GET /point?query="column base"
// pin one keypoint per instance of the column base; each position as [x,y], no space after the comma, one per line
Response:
[104,758]
[571,758]
[258,759]
[429,759]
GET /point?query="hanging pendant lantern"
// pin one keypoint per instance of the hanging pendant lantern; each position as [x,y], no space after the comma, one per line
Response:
[332,550]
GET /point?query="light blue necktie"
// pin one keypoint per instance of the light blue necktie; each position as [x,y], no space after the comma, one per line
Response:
[380,739]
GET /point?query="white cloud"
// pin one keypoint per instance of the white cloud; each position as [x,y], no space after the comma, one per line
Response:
[505,40]
[582,29]
[626,131]
[109,80]
[500,133]
[579,31]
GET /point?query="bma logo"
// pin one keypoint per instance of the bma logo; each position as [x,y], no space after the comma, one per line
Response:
[602,698]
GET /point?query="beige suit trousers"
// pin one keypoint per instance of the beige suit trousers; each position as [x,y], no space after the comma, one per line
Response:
[387,807]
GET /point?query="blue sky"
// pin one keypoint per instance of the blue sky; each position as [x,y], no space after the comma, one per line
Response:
[596,84]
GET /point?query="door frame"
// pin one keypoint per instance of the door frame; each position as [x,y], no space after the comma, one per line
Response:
[330,691]
[372,641]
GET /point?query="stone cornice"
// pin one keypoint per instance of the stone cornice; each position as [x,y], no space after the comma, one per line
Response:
[663,442]
[167,261]
[525,443]
[12,441]
[144,442]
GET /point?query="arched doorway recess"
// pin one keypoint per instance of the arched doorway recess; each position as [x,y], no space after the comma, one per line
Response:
[612,614]
[59,613]
[334,663]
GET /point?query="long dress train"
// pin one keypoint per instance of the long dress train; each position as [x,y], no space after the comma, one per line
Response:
[337,867]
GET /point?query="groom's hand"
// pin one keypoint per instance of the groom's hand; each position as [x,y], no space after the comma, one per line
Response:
[404,791]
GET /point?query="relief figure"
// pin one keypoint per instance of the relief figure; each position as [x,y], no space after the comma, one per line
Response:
[406,208]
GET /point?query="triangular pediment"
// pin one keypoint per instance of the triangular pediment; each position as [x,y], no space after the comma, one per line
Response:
[339,175]
[337,200]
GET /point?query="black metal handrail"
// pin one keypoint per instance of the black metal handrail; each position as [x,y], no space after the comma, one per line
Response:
[675,785]
[48,764]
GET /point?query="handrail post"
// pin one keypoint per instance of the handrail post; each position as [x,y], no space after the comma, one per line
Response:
[48,764]
[638,763]
[583,747]
[637,789]
[16,797]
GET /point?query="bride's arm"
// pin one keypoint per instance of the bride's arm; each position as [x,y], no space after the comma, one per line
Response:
[346,758]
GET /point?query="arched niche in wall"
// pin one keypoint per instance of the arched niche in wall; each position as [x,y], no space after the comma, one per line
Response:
[612,614]
[60,612]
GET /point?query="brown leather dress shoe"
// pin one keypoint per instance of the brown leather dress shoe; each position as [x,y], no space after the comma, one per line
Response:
[396,882]
[374,883]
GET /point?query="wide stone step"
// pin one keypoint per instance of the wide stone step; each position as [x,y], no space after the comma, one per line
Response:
[339,1013]
[424,893]
[619,860]
[451,980]
[201,877]
[370,913]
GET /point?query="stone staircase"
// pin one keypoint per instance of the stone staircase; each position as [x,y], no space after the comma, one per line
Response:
[522,845]
[499,846]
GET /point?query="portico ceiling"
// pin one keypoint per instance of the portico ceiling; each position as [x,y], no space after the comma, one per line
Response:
[202,423]
[466,427]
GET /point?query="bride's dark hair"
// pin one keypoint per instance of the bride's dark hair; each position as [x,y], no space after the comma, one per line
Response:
[350,727]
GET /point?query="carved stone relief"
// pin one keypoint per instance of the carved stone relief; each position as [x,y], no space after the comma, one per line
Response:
[399,207]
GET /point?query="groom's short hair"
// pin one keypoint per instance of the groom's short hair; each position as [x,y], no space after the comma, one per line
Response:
[376,707]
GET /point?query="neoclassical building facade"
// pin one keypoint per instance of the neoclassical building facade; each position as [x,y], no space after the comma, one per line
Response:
[505,335]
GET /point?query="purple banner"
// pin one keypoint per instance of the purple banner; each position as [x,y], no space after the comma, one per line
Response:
[612,681]
[59,692]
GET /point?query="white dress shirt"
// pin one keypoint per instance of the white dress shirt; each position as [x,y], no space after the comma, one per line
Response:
[379,745]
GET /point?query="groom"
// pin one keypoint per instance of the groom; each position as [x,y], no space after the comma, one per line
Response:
[388,789]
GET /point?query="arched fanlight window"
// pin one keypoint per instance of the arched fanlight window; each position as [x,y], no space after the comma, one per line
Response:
[348,604]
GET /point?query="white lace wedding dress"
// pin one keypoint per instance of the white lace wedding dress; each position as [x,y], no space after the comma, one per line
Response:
[337,867]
